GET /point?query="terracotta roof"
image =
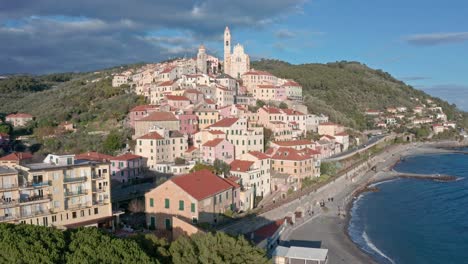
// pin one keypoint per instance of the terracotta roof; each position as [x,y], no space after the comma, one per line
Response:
[213,143]
[166,83]
[290,143]
[167,70]
[142,108]
[159,116]
[127,156]
[216,132]
[272,110]
[192,91]
[94,156]
[259,155]
[19,115]
[267,231]
[291,83]
[267,86]
[17,156]
[177,98]
[290,154]
[209,101]
[152,135]
[191,149]
[328,136]
[201,184]
[292,112]
[241,165]
[226,122]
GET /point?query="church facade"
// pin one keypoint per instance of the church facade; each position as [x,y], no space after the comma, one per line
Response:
[237,62]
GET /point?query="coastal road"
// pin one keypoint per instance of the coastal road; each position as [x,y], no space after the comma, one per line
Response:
[372,140]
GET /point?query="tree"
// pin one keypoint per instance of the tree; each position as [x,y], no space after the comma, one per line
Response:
[156,248]
[267,137]
[31,244]
[215,248]
[260,103]
[328,168]
[179,161]
[221,167]
[201,166]
[283,105]
[113,142]
[5,128]
[92,245]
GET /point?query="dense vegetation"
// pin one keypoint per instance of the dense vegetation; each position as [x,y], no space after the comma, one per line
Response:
[37,244]
[87,100]
[344,90]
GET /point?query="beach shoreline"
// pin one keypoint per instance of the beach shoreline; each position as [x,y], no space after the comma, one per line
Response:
[383,175]
[331,227]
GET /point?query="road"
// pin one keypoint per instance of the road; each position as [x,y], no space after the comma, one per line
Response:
[373,140]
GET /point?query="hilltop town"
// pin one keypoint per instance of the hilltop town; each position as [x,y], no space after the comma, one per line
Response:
[216,140]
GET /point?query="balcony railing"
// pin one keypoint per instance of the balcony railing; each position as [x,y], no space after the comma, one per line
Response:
[96,176]
[74,179]
[9,187]
[77,206]
[101,202]
[76,193]
[36,184]
[9,217]
[35,213]
[8,203]
[36,199]
[99,190]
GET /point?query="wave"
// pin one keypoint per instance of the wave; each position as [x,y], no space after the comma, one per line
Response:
[382,182]
[374,248]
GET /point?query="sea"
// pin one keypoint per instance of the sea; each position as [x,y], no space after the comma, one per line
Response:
[411,221]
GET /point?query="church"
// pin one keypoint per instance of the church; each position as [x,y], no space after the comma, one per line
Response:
[237,62]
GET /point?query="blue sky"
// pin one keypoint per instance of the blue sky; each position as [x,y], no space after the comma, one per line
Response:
[424,43]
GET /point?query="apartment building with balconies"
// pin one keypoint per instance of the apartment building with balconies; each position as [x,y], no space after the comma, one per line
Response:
[60,191]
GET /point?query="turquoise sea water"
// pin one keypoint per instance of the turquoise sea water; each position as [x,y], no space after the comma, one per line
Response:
[416,221]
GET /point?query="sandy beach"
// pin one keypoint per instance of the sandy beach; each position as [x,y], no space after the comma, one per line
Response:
[328,228]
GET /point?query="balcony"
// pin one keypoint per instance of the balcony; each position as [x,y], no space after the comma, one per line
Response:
[9,187]
[98,177]
[36,199]
[31,185]
[69,193]
[101,202]
[99,190]
[77,206]
[8,203]
[74,179]
[34,213]
[7,218]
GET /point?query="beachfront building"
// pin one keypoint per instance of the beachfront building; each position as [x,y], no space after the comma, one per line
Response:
[253,170]
[198,197]
[299,164]
[60,191]
[289,255]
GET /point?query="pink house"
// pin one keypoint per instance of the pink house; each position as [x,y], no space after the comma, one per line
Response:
[140,111]
[188,123]
[218,148]
[177,101]
[280,94]
[126,167]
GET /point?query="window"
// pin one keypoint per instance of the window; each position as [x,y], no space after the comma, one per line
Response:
[96,211]
[166,203]
[54,218]
[151,202]
[73,214]
[82,213]
[192,207]
[181,205]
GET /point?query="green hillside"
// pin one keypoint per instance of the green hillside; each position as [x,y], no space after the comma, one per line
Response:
[344,90]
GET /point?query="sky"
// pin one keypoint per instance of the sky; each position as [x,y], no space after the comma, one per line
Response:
[424,43]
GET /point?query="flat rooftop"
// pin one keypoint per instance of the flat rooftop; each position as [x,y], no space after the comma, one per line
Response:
[304,253]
